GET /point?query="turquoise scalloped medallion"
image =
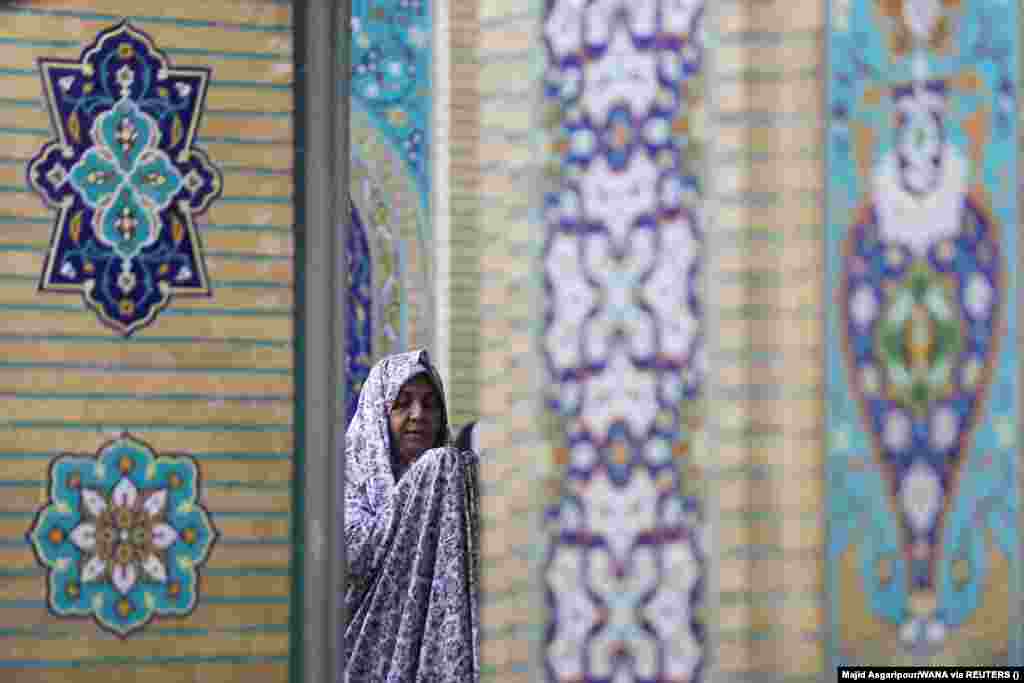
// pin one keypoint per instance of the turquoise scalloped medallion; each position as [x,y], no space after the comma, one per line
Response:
[123,536]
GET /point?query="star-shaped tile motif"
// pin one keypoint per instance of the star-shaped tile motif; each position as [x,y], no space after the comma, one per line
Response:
[125,177]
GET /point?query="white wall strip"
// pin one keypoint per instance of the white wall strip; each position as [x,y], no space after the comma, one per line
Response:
[440,192]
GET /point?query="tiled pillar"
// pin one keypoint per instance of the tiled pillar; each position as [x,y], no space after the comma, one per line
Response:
[623,344]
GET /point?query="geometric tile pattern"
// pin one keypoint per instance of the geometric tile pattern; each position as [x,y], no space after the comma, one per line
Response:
[622,339]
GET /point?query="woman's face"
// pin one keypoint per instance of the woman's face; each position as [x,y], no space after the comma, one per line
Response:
[415,419]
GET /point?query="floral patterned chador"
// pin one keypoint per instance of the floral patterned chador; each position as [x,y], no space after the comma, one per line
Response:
[411,543]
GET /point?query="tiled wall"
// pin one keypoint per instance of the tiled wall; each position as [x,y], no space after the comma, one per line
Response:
[762,453]
[208,381]
[212,378]
[766,442]
[766,264]
[923,494]
[391,176]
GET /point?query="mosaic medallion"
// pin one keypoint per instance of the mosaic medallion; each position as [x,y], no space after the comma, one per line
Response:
[625,567]
[923,211]
[125,177]
[122,536]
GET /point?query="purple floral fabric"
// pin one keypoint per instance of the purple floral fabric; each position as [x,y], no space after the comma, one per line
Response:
[411,542]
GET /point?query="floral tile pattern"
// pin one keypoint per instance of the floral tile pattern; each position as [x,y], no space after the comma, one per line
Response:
[388,244]
[391,62]
[922,254]
[622,338]
[126,178]
[123,536]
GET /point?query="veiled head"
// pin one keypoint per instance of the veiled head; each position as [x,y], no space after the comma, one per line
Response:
[400,415]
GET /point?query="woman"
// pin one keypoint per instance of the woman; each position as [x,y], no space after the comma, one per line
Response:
[411,532]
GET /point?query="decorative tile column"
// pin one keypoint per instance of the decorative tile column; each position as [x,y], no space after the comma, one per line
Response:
[623,339]
[923,405]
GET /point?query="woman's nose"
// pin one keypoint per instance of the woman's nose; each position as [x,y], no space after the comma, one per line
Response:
[416,410]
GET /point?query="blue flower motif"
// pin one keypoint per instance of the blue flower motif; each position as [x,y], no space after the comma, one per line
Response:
[122,536]
[126,179]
